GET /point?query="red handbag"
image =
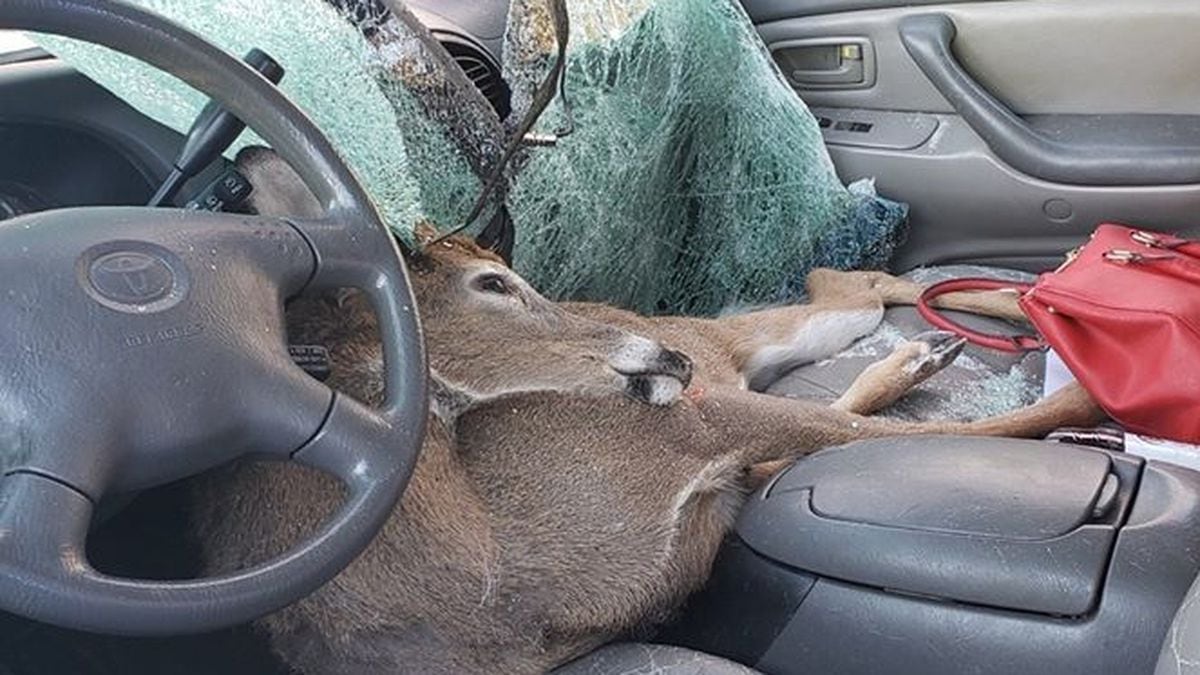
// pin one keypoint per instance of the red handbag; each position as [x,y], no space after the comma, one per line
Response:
[1123,313]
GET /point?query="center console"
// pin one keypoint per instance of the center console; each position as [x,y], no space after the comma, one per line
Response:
[947,555]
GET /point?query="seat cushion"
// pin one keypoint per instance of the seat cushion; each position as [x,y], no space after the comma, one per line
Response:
[981,382]
[1180,653]
[639,658]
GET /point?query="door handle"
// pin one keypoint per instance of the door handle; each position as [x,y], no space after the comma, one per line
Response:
[827,62]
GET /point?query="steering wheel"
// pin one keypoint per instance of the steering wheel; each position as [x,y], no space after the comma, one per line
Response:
[139,346]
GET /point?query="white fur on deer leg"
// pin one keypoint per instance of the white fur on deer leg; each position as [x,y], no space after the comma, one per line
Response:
[820,337]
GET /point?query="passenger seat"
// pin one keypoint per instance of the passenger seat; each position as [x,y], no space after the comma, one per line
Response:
[980,383]
[638,658]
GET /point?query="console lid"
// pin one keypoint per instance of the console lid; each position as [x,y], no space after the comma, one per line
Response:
[1012,526]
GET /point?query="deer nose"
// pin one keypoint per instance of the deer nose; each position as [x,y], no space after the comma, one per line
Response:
[640,356]
[658,377]
[674,364]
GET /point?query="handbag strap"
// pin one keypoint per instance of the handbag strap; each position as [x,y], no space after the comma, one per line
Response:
[1004,343]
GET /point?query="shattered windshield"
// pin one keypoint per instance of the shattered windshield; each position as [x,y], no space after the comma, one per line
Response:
[675,184]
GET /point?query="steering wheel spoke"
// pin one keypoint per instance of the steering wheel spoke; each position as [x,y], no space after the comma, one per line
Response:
[339,247]
[340,256]
[43,530]
[357,444]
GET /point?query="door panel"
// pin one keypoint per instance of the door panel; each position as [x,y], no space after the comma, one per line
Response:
[1095,56]
[967,206]
[762,11]
[1105,90]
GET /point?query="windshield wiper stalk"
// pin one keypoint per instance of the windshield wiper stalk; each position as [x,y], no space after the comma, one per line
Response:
[211,134]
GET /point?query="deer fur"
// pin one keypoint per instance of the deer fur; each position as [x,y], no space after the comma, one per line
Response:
[579,473]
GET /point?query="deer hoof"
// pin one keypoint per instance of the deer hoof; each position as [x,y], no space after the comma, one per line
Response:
[933,351]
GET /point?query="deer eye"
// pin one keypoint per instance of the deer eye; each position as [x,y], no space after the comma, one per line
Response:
[492,283]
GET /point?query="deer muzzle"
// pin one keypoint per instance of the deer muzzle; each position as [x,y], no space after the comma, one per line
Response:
[653,374]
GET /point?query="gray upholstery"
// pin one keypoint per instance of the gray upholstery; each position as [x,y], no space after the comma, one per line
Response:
[981,382]
[635,658]
[1181,649]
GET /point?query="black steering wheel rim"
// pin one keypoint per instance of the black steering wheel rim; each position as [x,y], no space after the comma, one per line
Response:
[198,317]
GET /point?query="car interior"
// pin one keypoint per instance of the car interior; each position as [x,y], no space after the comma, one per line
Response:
[1011,128]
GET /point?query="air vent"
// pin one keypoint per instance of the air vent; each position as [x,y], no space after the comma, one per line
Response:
[482,70]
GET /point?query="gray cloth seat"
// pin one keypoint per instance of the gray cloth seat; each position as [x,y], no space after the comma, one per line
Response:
[1180,653]
[639,658]
[980,383]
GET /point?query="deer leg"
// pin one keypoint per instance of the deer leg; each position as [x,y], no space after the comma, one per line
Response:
[1070,406]
[826,284]
[1001,304]
[843,307]
[767,343]
[758,474]
[884,382]
[772,452]
[767,428]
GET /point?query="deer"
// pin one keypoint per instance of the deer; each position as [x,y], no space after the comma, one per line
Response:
[582,466]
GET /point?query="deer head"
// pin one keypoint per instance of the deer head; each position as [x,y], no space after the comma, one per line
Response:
[490,331]
[487,329]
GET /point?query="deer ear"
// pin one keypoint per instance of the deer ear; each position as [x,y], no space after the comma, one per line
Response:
[425,232]
[499,235]
[277,189]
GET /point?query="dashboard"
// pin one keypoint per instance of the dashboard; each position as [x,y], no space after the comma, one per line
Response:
[65,141]
[46,165]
